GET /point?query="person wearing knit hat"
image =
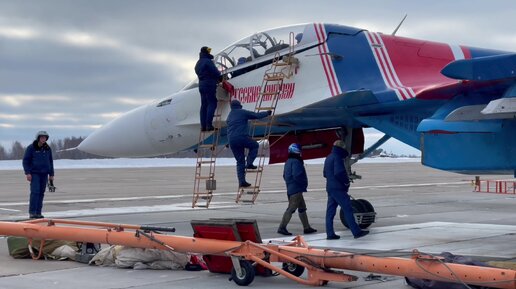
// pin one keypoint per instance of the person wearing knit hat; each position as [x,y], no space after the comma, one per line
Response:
[209,76]
[337,186]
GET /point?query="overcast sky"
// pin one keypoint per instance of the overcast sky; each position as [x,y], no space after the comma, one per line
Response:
[70,66]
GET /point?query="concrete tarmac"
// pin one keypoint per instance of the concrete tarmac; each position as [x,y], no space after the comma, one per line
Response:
[417,208]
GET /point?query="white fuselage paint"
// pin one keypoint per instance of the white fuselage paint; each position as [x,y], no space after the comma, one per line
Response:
[150,130]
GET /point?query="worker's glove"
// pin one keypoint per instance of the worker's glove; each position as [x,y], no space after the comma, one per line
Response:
[51,187]
[269,112]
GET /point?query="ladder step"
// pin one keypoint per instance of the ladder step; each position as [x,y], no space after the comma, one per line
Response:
[203,178]
[259,170]
[248,188]
[201,193]
[205,162]
[274,78]
[280,63]
[265,108]
[205,146]
[247,201]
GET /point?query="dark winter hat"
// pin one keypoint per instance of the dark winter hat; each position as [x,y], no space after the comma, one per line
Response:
[205,49]
[236,104]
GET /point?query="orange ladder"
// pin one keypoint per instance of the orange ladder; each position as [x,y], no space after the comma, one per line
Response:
[272,87]
[206,161]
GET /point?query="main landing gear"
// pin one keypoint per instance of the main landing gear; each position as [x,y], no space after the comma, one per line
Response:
[363,211]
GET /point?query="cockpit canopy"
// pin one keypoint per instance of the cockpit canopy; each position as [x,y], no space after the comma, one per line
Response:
[259,45]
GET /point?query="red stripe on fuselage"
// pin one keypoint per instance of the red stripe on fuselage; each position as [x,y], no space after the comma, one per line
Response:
[466,52]
[382,65]
[322,58]
[391,71]
[328,61]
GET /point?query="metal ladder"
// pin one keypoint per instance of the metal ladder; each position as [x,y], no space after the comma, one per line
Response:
[206,160]
[272,87]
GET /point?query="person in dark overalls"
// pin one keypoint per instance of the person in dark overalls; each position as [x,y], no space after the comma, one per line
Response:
[239,139]
[294,174]
[38,165]
[337,186]
[209,76]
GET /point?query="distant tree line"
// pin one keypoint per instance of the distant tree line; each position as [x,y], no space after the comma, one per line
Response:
[59,150]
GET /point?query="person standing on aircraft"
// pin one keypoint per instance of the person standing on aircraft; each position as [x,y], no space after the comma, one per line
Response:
[337,186]
[298,37]
[39,167]
[239,139]
[294,174]
[209,76]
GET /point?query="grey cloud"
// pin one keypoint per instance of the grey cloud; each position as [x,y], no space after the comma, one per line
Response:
[43,67]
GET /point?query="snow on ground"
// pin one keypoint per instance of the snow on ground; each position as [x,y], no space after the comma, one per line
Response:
[163,162]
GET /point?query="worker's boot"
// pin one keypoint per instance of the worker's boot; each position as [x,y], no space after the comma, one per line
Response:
[284,222]
[306,225]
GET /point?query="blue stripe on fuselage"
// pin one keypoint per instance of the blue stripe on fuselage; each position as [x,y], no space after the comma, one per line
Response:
[481,52]
[357,69]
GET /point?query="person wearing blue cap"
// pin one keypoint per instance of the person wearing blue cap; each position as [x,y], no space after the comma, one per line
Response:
[209,76]
[239,139]
[296,180]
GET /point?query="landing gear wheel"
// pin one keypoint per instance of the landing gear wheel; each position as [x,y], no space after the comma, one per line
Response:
[247,274]
[359,206]
[368,208]
[293,269]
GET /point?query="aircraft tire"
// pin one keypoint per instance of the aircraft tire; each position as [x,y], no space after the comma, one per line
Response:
[359,206]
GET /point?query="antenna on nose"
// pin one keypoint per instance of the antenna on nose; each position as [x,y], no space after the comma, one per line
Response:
[399,25]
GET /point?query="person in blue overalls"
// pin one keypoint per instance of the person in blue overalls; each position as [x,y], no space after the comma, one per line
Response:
[337,186]
[209,76]
[294,174]
[38,165]
[239,139]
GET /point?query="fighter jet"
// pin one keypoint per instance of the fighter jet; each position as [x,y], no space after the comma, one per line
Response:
[457,104]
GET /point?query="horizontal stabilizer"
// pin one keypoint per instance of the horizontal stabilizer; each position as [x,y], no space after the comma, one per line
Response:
[482,68]
[502,106]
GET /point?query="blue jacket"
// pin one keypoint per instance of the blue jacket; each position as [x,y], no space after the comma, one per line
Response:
[38,160]
[238,121]
[206,70]
[334,171]
[294,174]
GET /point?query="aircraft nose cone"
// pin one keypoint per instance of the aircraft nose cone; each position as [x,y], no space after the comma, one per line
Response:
[123,136]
